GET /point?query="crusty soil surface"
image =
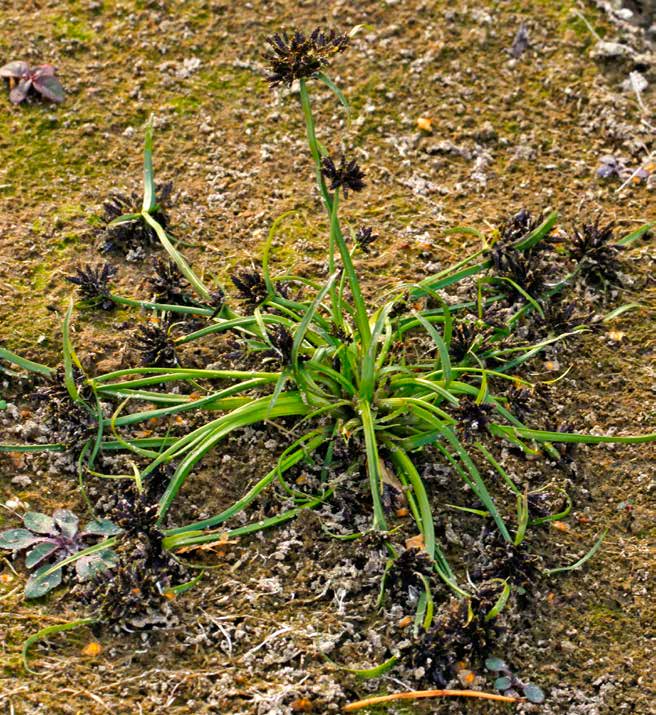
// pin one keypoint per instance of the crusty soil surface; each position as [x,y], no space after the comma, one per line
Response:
[275,627]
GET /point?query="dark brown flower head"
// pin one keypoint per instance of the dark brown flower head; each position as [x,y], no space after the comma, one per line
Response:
[300,56]
[134,593]
[406,572]
[592,247]
[469,335]
[137,235]
[457,634]
[168,284]
[282,341]
[561,316]
[251,286]
[472,417]
[155,343]
[217,301]
[497,559]
[364,238]
[68,422]
[93,284]
[136,513]
[517,226]
[525,268]
[348,175]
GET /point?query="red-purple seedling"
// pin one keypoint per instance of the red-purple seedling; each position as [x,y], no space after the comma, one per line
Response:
[23,79]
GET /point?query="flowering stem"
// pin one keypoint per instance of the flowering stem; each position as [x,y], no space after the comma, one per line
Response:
[323,189]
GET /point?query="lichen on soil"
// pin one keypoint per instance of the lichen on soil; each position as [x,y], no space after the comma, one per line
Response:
[276,625]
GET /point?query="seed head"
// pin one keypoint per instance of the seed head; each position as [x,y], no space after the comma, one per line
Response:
[283,342]
[251,286]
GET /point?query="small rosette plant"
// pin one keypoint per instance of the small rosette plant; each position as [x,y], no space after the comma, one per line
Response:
[52,540]
[24,80]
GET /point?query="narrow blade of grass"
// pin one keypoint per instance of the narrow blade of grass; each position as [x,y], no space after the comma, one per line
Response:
[149,200]
[581,561]
[51,631]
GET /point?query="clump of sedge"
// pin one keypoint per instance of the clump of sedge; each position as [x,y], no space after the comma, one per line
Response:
[472,417]
[168,284]
[459,633]
[469,335]
[522,267]
[301,56]
[93,285]
[405,574]
[170,287]
[559,316]
[69,421]
[282,341]
[25,81]
[499,559]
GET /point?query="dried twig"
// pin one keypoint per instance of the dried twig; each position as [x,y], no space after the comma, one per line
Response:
[417,694]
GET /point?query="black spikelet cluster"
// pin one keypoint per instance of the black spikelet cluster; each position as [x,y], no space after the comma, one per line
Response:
[458,634]
[365,238]
[498,559]
[522,267]
[168,284]
[597,257]
[93,284]
[69,421]
[300,56]
[283,342]
[251,286]
[472,417]
[140,583]
[348,175]
[155,343]
[405,573]
[468,334]
[134,235]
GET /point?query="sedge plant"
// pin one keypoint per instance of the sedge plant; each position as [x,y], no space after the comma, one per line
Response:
[348,371]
